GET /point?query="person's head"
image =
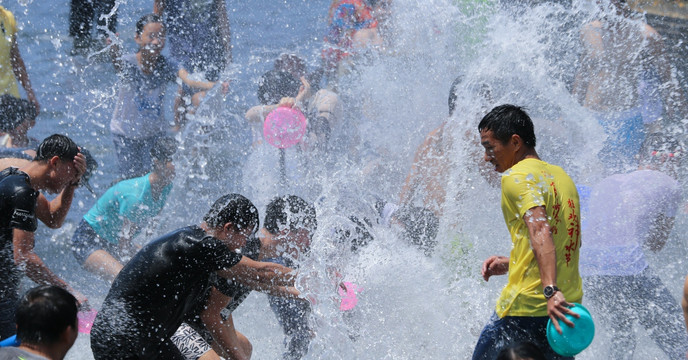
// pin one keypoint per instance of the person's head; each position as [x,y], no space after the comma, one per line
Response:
[420,226]
[292,221]
[662,153]
[161,154]
[150,34]
[46,316]
[275,85]
[233,218]
[17,116]
[506,133]
[292,64]
[57,152]
[522,351]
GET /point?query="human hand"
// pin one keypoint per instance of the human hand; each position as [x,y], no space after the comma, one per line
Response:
[80,166]
[225,87]
[287,102]
[495,265]
[81,299]
[557,307]
[304,91]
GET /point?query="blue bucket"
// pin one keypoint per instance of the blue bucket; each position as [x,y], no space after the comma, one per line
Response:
[575,339]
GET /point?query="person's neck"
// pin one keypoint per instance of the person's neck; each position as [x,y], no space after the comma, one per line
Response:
[51,352]
[157,183]
[147,61]
[529,153]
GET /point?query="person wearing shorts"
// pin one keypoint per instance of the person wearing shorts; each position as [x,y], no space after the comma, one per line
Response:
[102,241]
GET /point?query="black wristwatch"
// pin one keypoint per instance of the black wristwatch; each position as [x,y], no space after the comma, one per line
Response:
[549,291]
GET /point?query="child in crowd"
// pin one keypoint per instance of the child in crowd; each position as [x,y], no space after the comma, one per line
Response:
[104,237]
[138,120]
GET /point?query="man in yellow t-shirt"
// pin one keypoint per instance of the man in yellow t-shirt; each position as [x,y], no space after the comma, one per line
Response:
[11,63]
[541,210]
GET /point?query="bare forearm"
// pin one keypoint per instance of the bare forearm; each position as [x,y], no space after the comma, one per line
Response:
[59,207]
[546,257]
[274,290]
[37,271]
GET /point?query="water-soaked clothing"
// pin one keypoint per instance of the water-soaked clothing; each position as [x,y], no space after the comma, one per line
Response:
[293,315]
[17,211]
[13,353]
[193,339]
[155,292]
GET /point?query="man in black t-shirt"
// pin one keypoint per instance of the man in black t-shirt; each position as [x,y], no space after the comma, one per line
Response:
[162,284]
[58,165]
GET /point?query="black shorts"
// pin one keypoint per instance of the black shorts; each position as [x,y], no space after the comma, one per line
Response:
[85,241]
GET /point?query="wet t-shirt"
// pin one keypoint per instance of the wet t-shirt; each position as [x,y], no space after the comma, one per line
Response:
[138,112]
[528,184]
[159,286]
[17,211]
[13,353]
[8,26]
[128,199]
[622,209]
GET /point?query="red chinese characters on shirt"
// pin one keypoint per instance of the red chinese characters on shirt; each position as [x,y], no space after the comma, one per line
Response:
[572,231]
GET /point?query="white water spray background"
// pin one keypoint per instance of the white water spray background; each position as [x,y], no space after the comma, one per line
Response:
[412,306]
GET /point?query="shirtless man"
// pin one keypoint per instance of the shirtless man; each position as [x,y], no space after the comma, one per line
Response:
[617,51]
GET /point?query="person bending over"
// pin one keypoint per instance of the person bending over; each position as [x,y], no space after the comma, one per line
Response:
[104,237]
[165,281]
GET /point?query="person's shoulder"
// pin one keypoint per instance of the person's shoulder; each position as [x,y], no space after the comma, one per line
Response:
[9,17]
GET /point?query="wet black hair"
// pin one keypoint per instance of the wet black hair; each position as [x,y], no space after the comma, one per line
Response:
[164,148]
[235,209]
[521,351]
[507,120]
[14,111]
[274,85]
[147,19]
[291,211]
[420,227]
[56,145]
[292,64]
[44,313]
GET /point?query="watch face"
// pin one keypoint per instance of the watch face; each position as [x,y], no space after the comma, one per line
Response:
[548,291]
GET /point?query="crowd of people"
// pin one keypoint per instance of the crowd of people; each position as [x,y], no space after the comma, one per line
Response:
[174,296]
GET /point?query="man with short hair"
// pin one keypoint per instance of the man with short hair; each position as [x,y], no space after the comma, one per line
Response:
[58,165]
[46,325]
[541,210]
[288,229]
[165,281]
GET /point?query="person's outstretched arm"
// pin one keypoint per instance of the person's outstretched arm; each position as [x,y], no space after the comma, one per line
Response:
[20,73]
[263,272]
[225,29]
[158,7]
[223,332]
[25,257]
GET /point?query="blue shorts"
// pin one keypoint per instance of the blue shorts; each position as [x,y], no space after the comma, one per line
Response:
[511,330]
[85,241]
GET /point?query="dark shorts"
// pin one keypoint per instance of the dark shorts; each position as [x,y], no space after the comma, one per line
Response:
[85,241]
[7,322]
[511,330]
